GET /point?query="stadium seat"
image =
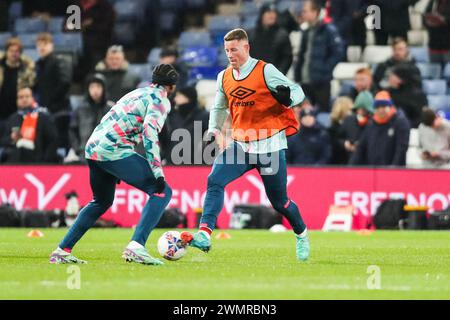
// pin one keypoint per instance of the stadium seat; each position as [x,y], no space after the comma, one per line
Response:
[429,70]
[416,20]
[346,87]
[294,6]
[249,22]
[124,33]
[167,21]
[142,70]
[193,39]
[219,24]
[172,4]
[28,40]
[206,90]
[194,4]
[68,41]
[249,8]
[31,53]
[417,37]
[377,54]
[324,119]
[76,101]
[127,10]
[420,54]
[153,56]
[434,87]
[354,53]
[29,25]
[347,70]
[439,102]
[4,36]
[446,73]
[413,158]
[199,56]
[55,24]
[204,73]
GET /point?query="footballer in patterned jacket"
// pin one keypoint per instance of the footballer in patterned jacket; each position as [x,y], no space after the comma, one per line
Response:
[137,117]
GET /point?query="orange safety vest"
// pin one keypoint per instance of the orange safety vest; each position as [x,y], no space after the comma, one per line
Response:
[255,113]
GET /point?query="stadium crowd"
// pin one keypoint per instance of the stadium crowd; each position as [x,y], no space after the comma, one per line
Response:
[374,97]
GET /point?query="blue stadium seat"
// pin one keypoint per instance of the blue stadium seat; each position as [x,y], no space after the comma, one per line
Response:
[124,33]
[194,4]
[200,56]
[446,74]
[76,101]
[142,70]
[435,86]
[4,36]
[220,23]
[346,87]
[55,24]
[294,6]
[68,41]
[127,10]
[153,56]
[31,53]
[28,40]
[249,22]
[29,25]
[167,21]
[429,70]
[420,54]
[172,4]
[439,102]
[15,10]
[194,39]
[323,118]
[249,8]
[204,73]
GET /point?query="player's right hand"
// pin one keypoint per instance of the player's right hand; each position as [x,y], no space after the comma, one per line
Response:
[160,185]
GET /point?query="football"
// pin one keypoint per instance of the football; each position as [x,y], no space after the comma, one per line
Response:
[171,247]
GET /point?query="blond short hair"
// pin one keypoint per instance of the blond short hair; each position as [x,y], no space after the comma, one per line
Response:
[342,107]
[236,34]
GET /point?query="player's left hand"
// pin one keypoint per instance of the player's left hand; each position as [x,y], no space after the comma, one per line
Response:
[283,95]
[160,185]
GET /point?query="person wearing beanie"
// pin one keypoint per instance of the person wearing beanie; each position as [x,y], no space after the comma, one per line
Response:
[187,115]
[354,124]
[405,88]
[311,145]
[385,140]
[87,116]
[278,50]
[110,152]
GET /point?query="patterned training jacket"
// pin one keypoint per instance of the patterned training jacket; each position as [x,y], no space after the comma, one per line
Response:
[137,116]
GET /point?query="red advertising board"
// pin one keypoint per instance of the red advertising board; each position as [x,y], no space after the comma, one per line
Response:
[313,189]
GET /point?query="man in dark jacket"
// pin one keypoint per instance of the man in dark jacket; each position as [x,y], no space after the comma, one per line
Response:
[400,55]
[86,117]
[52,76]
[405,88]
[30,134]
[187,115]
[385,140]
[394,19]
[320,50]
[311,145]
[278,49]
[119,81]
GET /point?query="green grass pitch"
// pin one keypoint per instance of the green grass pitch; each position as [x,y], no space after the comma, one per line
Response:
[249,265]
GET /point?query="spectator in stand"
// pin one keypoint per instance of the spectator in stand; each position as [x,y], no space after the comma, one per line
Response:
[434,140]
[351,130]
[437,22]
[385,140]
[321,49]
[405,88]
[311,145]
[358,28]
[169,55]
[52,76]
[394,18]
[400,56]
[342,108]
[363,81]
[189,116]
[119,81]
[15,70]
[30,135]
[97,26]
[87,116]
[278,50]
[45,9]
[340,13]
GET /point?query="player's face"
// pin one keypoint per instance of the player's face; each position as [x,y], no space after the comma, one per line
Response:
[237,52]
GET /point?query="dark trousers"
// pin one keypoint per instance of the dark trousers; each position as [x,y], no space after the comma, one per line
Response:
[318,94]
